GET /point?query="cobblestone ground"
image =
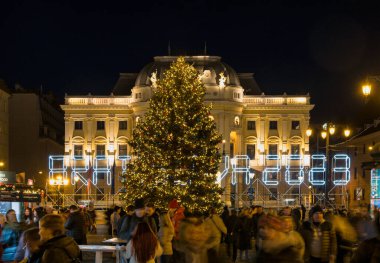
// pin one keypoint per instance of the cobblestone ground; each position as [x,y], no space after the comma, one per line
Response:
[89,257]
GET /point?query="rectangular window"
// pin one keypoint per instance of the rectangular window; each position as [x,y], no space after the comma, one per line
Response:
[123,125]
[100,125]
[251,125]
[100,150]
[231,150]
[251,150]
[78,125]
[78,151]
[123,150]
[295,149]
[272,149]
[295,125]
[273,125]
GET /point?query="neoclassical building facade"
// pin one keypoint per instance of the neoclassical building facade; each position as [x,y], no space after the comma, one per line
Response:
[253,124]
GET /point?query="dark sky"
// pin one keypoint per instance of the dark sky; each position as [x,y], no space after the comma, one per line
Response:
[325,48]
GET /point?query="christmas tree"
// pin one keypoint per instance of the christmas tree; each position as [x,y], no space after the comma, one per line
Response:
[175,145]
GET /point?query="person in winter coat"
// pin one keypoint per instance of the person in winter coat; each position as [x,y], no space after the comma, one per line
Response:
[177,213]
[144,246]
[28,216]
[165,236]
[277,245]
[153,217]
[369,250]
[56,247]
[130,222]
[10,236]
[232,235]
[193,240]
[217,228]
[115,217]
[75,225]
[320,238]
[31,244]
[244,229]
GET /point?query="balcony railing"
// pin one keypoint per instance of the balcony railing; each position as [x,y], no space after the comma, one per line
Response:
[275,100]
[99,100]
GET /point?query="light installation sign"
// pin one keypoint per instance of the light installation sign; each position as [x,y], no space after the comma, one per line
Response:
[294,169]
[239,166]
[375,183]
[294,173]
[100,167]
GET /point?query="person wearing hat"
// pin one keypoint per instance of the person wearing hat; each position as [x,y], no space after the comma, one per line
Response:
[130,223]
[320,238]
[177,213]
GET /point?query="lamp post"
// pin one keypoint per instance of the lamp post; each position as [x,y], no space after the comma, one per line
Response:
[328,129]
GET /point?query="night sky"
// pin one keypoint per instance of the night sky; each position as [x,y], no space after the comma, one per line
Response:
[325,48]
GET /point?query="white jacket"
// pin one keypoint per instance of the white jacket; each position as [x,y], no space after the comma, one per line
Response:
[217,227]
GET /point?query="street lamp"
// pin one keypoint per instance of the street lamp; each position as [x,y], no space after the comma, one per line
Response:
[328,129]
[366,89]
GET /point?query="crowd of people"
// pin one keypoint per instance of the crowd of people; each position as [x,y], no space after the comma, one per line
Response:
[176,234]
[44,236]
[254,234]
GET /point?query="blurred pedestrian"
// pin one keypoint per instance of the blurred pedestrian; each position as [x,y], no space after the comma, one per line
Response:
[244,229]
[10,235]
[217,228]
[152,216]
[115,217]
[320,238]
[129,225]
[369,250]
[193,241]
[232,235]
[279,242]
[143,246]
[38,213]
[75,225]
[56,246]
[28,216]
[31,244]
[165,235]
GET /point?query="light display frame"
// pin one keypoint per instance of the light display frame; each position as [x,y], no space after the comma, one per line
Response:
[289,170]
[317,170]
[341,170]
[236,169]
[272,169]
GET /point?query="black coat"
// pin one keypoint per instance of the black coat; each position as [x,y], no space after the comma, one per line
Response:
[60,249]
[76,228]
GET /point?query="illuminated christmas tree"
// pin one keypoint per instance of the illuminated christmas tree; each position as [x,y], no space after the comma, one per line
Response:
[175,145]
